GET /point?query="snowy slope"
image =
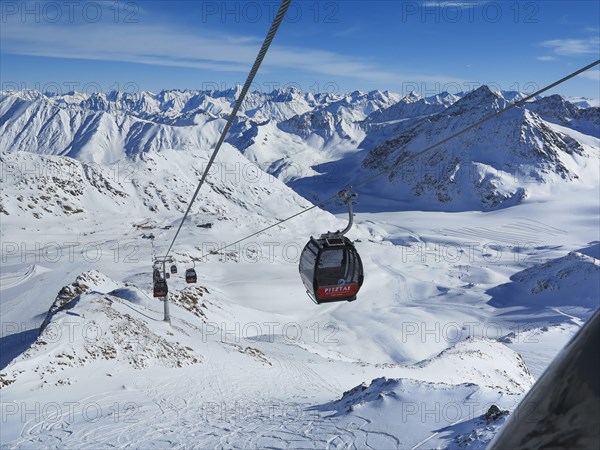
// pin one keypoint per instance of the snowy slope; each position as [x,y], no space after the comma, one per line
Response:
[131,368]
[459,310]
[263,366]
[157,185]
[568,283]
[448,416]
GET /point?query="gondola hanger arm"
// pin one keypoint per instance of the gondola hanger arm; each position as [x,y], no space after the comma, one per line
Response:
[348,198]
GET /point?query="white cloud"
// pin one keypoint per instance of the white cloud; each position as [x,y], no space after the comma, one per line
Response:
[546,58]
[572,47]
[347,31]
[170,46]
[593,75]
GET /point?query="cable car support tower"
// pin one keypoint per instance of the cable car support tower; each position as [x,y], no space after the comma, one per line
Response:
[162,261]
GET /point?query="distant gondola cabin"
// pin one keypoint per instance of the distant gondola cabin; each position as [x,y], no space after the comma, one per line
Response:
[190,276]
[160,288]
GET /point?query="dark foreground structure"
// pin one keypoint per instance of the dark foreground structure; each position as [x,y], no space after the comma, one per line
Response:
[562,410]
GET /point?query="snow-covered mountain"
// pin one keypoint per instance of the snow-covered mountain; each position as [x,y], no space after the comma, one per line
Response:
[413,106]
[487,167]
[568,283]
[156,187]
[458,315]
[556,109]
[104,128]
[307,139]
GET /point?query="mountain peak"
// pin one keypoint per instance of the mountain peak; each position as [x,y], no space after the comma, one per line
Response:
[482,93]
[412,96]
[480,98]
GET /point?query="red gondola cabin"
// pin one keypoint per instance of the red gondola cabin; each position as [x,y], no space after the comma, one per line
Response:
[190,276]
[160,288]
[331,269]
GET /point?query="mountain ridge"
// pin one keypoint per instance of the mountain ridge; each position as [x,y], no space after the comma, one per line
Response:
[298,137]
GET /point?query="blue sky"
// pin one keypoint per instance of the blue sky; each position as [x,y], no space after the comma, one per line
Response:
[331,46]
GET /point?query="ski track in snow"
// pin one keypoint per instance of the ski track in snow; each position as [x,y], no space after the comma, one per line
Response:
[518,232]
[12,279]
[178,421]
[399,279]
[576,320]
